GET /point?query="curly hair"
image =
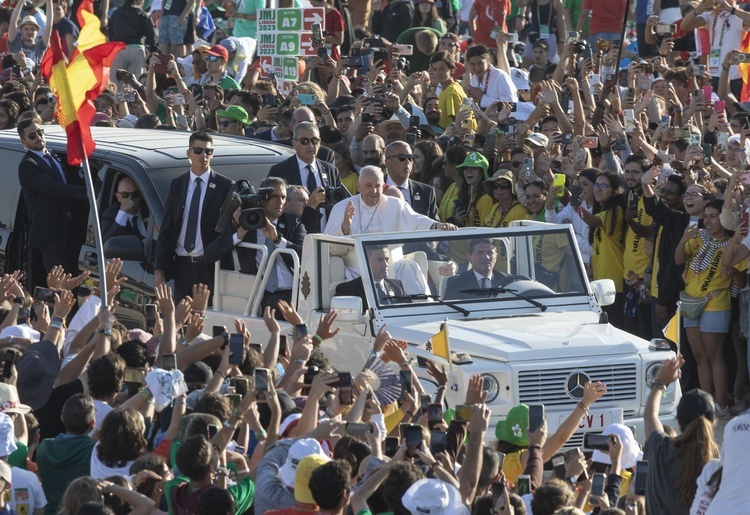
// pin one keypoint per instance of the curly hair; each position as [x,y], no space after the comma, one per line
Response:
[121,437]
[154,463]
[400,478]
[105,376]
[214,404]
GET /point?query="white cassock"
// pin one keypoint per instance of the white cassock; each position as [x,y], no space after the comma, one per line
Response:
[389,215]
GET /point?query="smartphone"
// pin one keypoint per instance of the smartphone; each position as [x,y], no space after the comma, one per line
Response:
[300,331]
[744,217]
[213,429]
[434,414]
[241,385]
[317,32]
[283,343]
[523,484]
[438,441]
[740,58]
[663,29]
[597,484]
[352,62]
[403,49]
[414,121]
[528,170]
[175,99]
[413,435]
[513,106]
[707,93]
[256,347]
[310,374]
[560,183]
[261,379]
[588,53]
[536,417]
[490,140]
[366,118]
[234,399]
[708,151]
[269,99]
[236,348]
[345,389]
[694,139]
[463,412]
[358,430]
[595,79]
[307,100]
[424,403]
[498,492]
[564,100]
[168,362]
[589,142]
[596,441]
[16,69]
[150,315]
[573,36]
[374,43]
[391,446]
[404,376]
[693,223]
[8,361]
[219,330]
[558,464]
[323,53]
[132,375]
[163,62]
[44,294]
[719,106]
[411,139]
[641,474]
[629,119]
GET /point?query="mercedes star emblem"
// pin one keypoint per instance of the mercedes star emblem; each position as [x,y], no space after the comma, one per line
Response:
[574,384]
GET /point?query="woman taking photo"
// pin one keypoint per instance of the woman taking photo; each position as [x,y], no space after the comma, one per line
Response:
[569,214]
[608,237]
[474,171]
[701,251]
[453,157]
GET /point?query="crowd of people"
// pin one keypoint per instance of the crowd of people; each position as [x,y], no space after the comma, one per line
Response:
[425,115]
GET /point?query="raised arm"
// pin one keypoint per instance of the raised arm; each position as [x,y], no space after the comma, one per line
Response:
[666,375]
[47,35]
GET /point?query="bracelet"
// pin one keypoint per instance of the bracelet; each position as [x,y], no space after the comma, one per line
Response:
[222,374]
[55,325]
[405,364]
[658,384]
[441,387]
[734,10]
[180,402]
[147,394]
[228,424]
[583,408]
[300,361]
[316,336]
[243,471]
[57,319]
[725,67]
[410,414]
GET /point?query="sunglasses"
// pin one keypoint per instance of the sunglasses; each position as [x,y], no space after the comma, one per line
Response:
[32,135]
[199,150]
[600,186]
[307,141]
[501,186]
[402,157]
[212,58]
[129,194]
[226,123]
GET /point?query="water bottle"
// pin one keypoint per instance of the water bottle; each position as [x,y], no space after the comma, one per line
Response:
[630,304]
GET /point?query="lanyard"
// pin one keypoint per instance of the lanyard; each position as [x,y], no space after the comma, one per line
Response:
[724,25]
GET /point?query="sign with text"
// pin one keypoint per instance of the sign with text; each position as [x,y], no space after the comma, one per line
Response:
[290,20]
[289,44]
[285,68]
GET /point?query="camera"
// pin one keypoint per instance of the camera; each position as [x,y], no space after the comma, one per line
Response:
[402,64]
[252,215]
[581,45]
[696,70]
[335,195]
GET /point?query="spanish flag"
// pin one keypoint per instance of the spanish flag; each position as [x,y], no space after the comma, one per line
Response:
[78,82]
[440,344]
[745,69]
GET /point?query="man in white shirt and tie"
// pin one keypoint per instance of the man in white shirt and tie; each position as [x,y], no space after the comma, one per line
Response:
[399,160]
[379,259]
[52,200]
[124,217]
[482,275]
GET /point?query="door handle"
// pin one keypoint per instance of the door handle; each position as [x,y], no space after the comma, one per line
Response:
[90,258]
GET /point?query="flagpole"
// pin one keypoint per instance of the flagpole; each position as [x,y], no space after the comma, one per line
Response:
[454,386]
[91,194]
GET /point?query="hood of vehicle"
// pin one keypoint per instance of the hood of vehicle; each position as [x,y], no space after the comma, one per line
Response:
[534,337]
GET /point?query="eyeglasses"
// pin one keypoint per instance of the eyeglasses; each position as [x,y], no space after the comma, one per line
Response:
[129,194]
[693,194]
[32,135]
[501,186]
[307,141]
[600,186]
[199,150]
[226,123]
[212,58]
[402,157]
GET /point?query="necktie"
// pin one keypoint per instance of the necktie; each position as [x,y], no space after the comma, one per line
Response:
[311,183]
[382,293]
[134,226]
[273,279]
[485,283]
[55,166]
[192,224]
[403,192]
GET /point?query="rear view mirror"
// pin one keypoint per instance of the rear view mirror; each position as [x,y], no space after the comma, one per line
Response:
[604,291]
[129,247]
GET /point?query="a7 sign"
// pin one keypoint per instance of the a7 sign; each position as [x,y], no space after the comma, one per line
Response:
[290,20]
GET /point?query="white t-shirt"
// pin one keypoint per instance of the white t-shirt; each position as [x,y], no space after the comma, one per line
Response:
[735,454]
[102,410]
[702,499]
[725,32]
[26,494]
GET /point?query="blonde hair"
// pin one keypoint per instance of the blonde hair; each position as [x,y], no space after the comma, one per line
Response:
[80,491]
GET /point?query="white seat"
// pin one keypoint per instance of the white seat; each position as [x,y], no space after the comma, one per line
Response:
[234,288]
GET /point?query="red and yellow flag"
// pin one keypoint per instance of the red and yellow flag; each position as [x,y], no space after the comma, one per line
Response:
[745,69]
[78,82]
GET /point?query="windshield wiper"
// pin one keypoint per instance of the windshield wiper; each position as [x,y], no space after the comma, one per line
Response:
[422,296]
[513,292]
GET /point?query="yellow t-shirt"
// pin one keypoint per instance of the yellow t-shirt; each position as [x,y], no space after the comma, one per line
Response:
[607,260]
[710,279]
[490,214]
[655,265]
[512,466]
[450,102]
[448,205]
[350,181]
[635,257]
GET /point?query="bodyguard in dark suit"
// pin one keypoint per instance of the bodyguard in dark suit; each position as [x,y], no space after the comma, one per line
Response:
[301,114]
[399,159]
[53,198]
[124,217]
[306,170]
[482,256]
[282,230]
[191,213]
[379,258]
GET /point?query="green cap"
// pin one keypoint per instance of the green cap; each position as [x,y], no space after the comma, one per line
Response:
[512,430]
[235,113]
[475,160]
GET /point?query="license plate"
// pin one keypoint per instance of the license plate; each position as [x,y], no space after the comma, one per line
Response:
[597,420]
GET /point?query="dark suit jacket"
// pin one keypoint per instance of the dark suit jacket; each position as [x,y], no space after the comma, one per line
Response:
[289,171]
[111,228]
[51,203]
[217,190]
[290,228]
[468,281]
[356,288]
[423,199]
[324,153]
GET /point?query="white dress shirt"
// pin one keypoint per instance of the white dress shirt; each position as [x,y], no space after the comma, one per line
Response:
[480,280]
[198,250]
[283,274]
[44,155]
[303,173]
[123,219]
[405,191]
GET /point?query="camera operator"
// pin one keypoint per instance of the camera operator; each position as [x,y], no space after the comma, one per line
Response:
[281,230]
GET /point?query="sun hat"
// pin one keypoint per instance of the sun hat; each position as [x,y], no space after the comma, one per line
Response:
[306,467]
[631,451]
[538,139]
[299,450]
[6,473]
[235,113]
[500,174]
[9,401]
[512,430]
[37,369]
[433,497]
[475,160]
[29,20]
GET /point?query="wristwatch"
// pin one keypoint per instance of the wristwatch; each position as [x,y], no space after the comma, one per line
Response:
[106,331]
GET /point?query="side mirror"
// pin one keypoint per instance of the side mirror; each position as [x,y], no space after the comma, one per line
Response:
[128,248]
[348,309]
[604,291]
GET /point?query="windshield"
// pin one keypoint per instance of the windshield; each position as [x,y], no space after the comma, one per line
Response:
[473,266]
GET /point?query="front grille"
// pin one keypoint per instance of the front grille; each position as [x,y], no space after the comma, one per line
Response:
[548,386]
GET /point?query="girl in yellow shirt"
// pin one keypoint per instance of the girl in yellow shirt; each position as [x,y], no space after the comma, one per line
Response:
[501,206]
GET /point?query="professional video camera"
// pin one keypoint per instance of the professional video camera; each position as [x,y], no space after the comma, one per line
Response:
[335,195]
[252,216]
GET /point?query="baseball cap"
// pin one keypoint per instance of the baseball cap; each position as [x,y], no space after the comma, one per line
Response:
[513,429]
[475,160]
[218,51]
[229,44]
[538,139]
[306,467]
[235,113]
[693,404]
[297,452]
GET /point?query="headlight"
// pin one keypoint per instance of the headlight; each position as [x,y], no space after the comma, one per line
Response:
[651,371]
[491,385]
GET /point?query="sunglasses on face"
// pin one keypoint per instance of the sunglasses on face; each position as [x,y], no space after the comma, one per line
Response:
[307,141]
[501,186]
[129,194]
[403,157]
[199,150]
[32,135]
[226,123]
[212,58]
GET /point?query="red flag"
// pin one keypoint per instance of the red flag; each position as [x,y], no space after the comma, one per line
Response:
[78,82]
